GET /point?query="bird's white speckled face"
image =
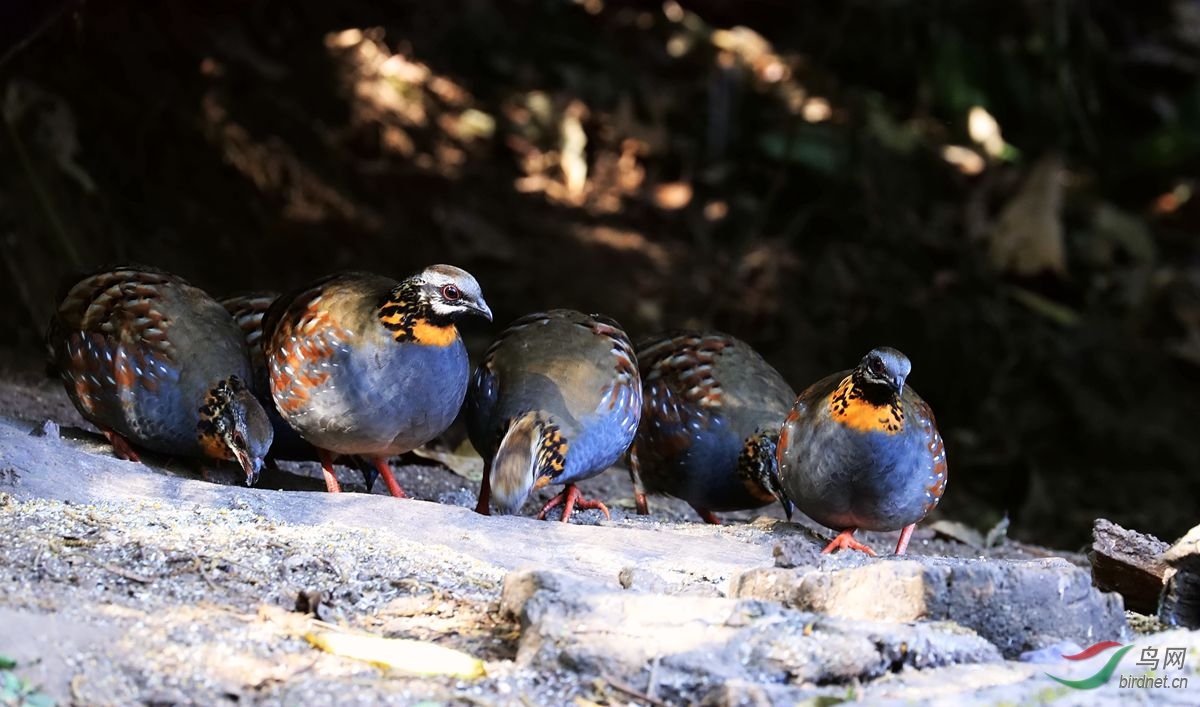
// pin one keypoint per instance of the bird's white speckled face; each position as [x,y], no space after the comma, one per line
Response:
[885,366]
[453,292]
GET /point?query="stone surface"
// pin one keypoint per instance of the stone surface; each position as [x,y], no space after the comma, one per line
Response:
[1181,595]
[41,467]
[1019,605]
[149,585]
[682,645]
[1129,563]
[46,428]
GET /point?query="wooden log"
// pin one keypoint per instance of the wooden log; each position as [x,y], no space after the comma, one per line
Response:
[1129,563]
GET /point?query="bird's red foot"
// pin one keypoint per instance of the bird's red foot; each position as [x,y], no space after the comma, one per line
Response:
[121,447]
[905,534]
[707,516]
[331,482]
[845,541]
[570,498]
[381,465]
[641,503]
[484,506]
[635,477]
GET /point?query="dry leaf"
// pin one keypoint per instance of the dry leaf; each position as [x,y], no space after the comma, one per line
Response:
[1055,312]
[957,531]
[1028,237]
[462,461]
[420,658]
[998,534]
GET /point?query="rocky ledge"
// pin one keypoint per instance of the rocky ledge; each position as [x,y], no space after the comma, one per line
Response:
[126,583]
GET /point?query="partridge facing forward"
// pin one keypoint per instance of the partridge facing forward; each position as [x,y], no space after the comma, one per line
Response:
[860,449]
[156,363]
[555,400]
[363,364]
[711,410]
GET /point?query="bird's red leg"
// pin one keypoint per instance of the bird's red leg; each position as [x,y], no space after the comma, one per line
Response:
[484,506]
[570,498]
[381,465]
[845,541]
[639,489]
[331,482]
[121,447]
[904,537]
[707,516]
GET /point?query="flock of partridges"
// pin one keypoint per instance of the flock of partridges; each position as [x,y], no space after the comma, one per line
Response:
[364,367]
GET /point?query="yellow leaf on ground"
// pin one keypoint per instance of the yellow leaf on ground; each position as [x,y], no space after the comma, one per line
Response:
[402,655]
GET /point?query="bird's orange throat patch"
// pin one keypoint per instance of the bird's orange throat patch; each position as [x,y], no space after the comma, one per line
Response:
[848,407]
[432,335]
[407,317]
[214,447]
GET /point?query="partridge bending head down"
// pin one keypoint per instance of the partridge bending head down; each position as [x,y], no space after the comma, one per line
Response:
[248,310]
[157,363]
[860,449]
[363,364]
[711,410]
[555,400]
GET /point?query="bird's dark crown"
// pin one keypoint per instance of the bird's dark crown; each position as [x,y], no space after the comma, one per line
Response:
[881,374]
[432,301]
[758,468]
[234,426]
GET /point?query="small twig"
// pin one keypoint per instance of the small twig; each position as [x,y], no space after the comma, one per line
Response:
[633,692]
[272,680]
[119,571]
[102,564]
[199,565]
[76,691]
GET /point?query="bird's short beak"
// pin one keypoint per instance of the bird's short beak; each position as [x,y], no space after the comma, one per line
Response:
[250,465]
[775,486]
[483,309]
[788,507]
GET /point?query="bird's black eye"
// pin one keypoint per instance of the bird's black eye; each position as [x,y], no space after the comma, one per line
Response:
[877,367]
[450,293]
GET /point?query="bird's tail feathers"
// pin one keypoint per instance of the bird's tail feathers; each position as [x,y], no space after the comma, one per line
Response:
[531,454]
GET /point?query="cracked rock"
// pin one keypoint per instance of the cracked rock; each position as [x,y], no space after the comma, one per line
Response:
[1181,596]
[1018,605]
[698,643]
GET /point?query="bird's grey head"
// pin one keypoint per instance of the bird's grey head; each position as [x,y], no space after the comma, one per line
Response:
[884,367]
[453,292]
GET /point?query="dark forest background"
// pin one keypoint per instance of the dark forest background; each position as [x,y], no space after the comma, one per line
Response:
[1003,190]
